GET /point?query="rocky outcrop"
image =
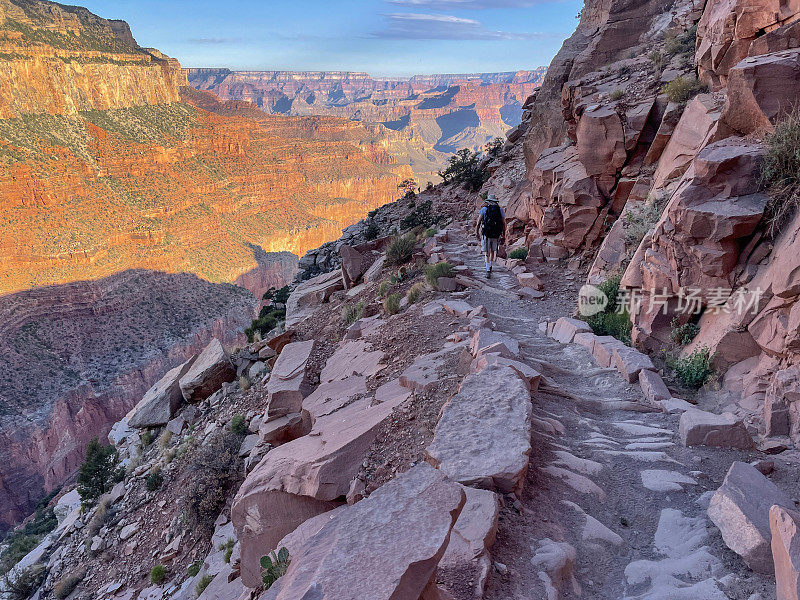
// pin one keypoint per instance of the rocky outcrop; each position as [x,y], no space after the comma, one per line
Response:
[207,373]
[161,401]
[783,525]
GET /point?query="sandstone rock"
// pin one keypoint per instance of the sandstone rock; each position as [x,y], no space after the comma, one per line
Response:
[447,284]
[373,273]
[302,478]
[223,589]
[566,328]
[310,294]
[530,280]
[161,401]
[354,264]
[701,428]
[740,508]
[526,373]
[630,362]
[385,547]
[128,531]
[486,338]
[761,90]
[653,386]
[207,373]
[459,308]
[333,395]
[603,349]
[289,384]
[784,525]
[483,435]
[352,358]
[781,402]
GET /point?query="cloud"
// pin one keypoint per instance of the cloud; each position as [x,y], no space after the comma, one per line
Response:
[423,26]
[464,4]
[213,41]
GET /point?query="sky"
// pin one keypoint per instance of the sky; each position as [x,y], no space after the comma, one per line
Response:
[381,37]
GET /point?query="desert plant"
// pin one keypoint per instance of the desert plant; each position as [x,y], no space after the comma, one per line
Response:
[680,43]
[383,289]
[780,172]
[681,89]
[98,518]
[239,425]
[18,547]
[611,321]
[392,304]
[400,250]
[201,586]
[158,574]
[518,254]
[23,585]
[463,168]
[371,231]
[145,439]
[414,292]
[639,219]
[683,334]
[353,312]
[228,548]
[213,472]
[67,584]
[164,439]
[429,233]
[99,472]
[421,216]
[194,568]
[244,383]
[657,59]
[693,370]
[274,566]
[494,147]
[616,95]
[154,480]
[442,269]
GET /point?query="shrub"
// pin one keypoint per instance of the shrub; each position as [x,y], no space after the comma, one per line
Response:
[17,548]
[239,425]
[463,169]
[244,383]
[657,59]
[494,147]
[693,370]
[442,269]
[67,584]
[639,219]
[392,304]
[194,568]
[519,254]
[420,217]
[400,250]
[204,582]
[415,292]
[616,95]
[145,439]
[164,439]
[274,566]
[372,231]
[780,172]
[277,296]
[611,321]
[680,43]
[383,289]
[154,480]
[98,518]
[683,334]
[99,472]
[213,472]
[23,585]
[352,313]
[429,233]
[158,574]
[681,89]
[268,319]
[228,547]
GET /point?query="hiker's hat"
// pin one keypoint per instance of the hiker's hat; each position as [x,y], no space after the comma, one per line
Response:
[491,198]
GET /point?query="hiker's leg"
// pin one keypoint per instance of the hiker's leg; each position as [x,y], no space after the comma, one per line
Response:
[486,248]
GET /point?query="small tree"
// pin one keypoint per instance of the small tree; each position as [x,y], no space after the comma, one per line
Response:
[99,472]
[408,187]
[462,168]
[493,148]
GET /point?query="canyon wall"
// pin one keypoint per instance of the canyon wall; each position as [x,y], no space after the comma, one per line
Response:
[426,117]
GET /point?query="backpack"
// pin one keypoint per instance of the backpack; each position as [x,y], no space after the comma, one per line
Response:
[493,222]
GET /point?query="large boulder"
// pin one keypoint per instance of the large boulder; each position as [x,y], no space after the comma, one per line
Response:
[303,478]
[161,401]
[784,525]
[385,547]
[307,296]
[207,373]
[701,428]
[354,264]
[740,508]
[288,383]
[483,437]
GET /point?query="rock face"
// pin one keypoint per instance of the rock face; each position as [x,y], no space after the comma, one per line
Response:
[482,438]
[131,328]
[386,547]
[701,428]
[783,525]
[741,511]
[161,401]
[207,374]
[289,384]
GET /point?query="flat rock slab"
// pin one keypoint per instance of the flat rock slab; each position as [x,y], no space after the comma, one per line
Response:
[424,373]
[784,525]
[483,437]
[603,350]
[207,374]
[310,294]
[740,509]
[701,428]
[662,480]
[352,358]
[566,328]
[161,401]
[458,307]
[485,338]
[385,547]
[630,362]
[288,384]
[333,395]
[528,374]
[673,406]
[303,478]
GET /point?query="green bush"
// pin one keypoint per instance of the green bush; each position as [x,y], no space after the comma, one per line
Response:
[274,566]
[414,292]
[462,168]
[194,568]
[18,546]
[23,585]
[400,250]
[639,219]
[67,584]
[145,439]
[158,574]
[681,89]
[372,231]
[204,582]
[616,95]
[392,304]
[239,425]
[383,289]
[614,323]
[780,172]
[429,233]
[213,471]
[99,472]
[658,60]
[519,254]
[494,147]
[268,319]
[154,480]
[682,334]
[442,269]
[693,370]
[681,43]
[420,217]
[353,312]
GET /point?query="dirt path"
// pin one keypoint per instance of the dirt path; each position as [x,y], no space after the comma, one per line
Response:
[611,491]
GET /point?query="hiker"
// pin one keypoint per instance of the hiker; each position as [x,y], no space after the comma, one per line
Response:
[490,227]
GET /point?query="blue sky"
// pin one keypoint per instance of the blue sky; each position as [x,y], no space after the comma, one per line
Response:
[382,37]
